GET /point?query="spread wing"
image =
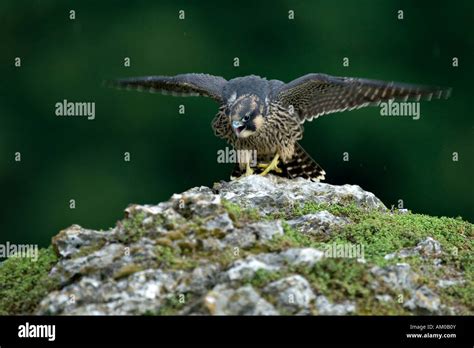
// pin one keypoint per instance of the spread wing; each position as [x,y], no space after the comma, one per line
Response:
[179,85]
[314,95]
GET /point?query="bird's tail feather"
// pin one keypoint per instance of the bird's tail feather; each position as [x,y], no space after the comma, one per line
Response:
[302,165]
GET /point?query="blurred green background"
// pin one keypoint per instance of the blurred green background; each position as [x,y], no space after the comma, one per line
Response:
[73,158]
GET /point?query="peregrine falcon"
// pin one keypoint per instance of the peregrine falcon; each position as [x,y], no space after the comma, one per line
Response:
[268,115]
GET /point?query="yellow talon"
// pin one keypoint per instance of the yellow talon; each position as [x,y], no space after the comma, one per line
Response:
[248,171]
[272,166]
[265,165]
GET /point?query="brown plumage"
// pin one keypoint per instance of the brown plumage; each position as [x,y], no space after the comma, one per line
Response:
[268,115]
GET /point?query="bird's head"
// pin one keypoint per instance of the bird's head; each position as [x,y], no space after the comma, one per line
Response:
[246,115]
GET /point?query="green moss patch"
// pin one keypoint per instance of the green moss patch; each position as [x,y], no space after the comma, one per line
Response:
[25,283]
[382,232]
[240,215]
[262,277]
[133,228]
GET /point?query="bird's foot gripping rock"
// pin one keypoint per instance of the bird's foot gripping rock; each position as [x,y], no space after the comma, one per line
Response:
[273,165]
[248,171]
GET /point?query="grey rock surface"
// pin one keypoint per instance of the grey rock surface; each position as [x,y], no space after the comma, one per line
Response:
[242,301]
[273,194]
[293,294]
[428,247]
[322,222]
[325,307]
[240,248]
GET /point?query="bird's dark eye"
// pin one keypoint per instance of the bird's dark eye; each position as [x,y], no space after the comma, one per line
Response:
[246,118]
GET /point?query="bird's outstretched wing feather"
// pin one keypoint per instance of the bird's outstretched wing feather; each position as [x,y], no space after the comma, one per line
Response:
[314,95]
[179,85]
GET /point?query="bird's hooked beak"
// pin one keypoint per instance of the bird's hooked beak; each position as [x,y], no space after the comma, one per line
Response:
[237,126]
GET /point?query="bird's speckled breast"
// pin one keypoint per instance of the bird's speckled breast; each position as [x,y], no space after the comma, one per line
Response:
[278,134]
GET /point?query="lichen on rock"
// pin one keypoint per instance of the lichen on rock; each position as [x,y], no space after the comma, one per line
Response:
[254,246]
